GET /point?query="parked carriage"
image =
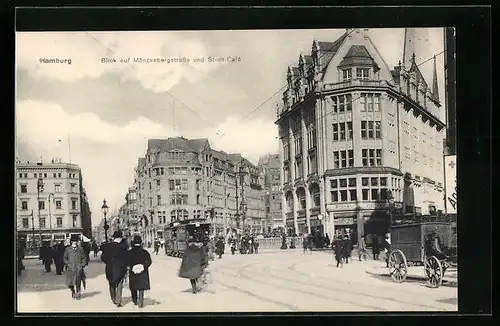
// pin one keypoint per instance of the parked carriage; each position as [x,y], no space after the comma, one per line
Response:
[177,234]
[430,244]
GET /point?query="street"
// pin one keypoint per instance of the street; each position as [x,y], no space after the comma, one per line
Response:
[273,280]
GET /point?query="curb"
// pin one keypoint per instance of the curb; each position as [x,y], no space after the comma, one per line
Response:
[447,283]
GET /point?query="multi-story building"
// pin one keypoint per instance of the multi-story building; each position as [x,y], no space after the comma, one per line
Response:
[270,169]
[358,141]
[51,201]
[185,178]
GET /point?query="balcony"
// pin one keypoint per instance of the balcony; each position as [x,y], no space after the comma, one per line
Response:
[354,83]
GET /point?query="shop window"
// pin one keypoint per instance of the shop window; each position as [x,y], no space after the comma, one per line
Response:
[343,195]
[365,194]
[375,194]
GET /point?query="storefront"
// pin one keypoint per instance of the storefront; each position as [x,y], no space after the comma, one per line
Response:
[317,226]
[302,224]
[290,227]
[346,226]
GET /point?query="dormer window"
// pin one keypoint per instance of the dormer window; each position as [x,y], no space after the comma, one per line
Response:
[363,73]
[346,74]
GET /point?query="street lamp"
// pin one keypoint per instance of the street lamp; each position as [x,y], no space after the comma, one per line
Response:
[39,188]
[105,209]
[51,195]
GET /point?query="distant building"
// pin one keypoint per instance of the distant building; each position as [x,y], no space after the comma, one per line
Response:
[55,210]
[270,169]
[355,135]
[183,178]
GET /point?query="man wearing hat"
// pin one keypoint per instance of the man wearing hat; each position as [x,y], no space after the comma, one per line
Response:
[75,261]
[138,260]
[114,255]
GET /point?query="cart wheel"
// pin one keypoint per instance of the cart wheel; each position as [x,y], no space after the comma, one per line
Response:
[434,272]
[398,267]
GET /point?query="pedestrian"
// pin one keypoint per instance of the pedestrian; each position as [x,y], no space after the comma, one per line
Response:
[327,241]
[138,261]
[346,248]
[256,246]
[375,247]
[156,246]
[304,244]
[75,261]
[233,245]
[210,249]
[219,247]
[283,242]
[338,251]
[362,248]
[192,262]
[292,243]
[387,249]
[20,256]
[95,249]
[114,255]
[46,256]
[86,248]
[59,257]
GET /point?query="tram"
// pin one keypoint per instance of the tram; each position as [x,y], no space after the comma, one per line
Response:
[176,235]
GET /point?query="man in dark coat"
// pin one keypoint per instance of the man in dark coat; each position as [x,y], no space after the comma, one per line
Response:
[46,256]
[59,250]
[346,244]
[114,255]
[156,246]
[375,247]
[138,261]
[338,250]
[95,248]
[283,242]
[219,247]
[75,260]
[192,262]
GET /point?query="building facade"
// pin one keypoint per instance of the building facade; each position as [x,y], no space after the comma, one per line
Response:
[359,142]
[185,179]
[51,201]
[270,169]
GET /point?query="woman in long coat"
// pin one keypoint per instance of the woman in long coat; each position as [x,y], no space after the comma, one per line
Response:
[75,260]
[193,260]
[338,250]
[138,275]
[219,247]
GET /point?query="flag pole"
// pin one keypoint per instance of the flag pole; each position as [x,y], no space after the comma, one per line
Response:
[69,148]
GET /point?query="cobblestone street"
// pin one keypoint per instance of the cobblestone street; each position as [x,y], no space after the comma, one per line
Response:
[269,281]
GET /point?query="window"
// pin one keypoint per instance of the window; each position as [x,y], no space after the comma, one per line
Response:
[346,190]
[375,194]
[363,73]
[383,181]
[59,221]
[374,181]
[58,204]
[20,175]
[162,171]
[335,196]
[342,131]
[343,159]
[57,188]
[158,200]
[24,189]
[335,131]
[58,175]
[34,175]
[350,155]
[26,175]
[24,205]
[333,183]
[352,182]
[378,128]
[73,203]
[371,157]
[45,175]
[178,199]
[73,187]
[75,221]
[41,204]
[343,195]
[376,104]
[364,194]
[313,167]
[42,222]
[171,184]
[26,223]
[346,74]
[370,130]
[341,103]
[349,131]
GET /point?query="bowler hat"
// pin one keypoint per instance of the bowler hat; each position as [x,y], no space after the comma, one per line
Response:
[137,240]
[117,234]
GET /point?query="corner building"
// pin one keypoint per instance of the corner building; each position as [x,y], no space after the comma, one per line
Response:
[181,179]
[354,134]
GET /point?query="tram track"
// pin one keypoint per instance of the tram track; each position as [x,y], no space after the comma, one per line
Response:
[268,273]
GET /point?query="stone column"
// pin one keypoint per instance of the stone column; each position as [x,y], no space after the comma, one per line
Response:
[322,205]
[308,209]
[295,209]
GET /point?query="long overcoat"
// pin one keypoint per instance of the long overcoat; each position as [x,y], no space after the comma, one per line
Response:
[75,260]
[114,255]
[136,256]
[219,245]
[338,249]
[192,260]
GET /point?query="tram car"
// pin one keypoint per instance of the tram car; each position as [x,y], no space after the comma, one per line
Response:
[177,234]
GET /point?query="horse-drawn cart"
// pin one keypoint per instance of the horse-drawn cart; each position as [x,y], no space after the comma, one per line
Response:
[430,244]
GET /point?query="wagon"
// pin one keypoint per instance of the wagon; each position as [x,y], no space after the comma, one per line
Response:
[429,244]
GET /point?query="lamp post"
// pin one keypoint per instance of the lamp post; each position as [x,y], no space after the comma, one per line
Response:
[105,209]
[39,188]
[51,195]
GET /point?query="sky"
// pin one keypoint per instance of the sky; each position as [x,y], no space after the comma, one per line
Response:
[99,115]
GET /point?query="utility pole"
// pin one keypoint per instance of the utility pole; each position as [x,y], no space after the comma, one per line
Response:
[33,226]
[51,196]
[39,188]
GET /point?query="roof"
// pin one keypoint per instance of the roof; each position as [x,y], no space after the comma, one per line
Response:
[418,75]
[364,170]
[181,143]
[272,160]
[358,54]
[329,49]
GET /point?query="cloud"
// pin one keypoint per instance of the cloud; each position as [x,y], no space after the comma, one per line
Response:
[108,153]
